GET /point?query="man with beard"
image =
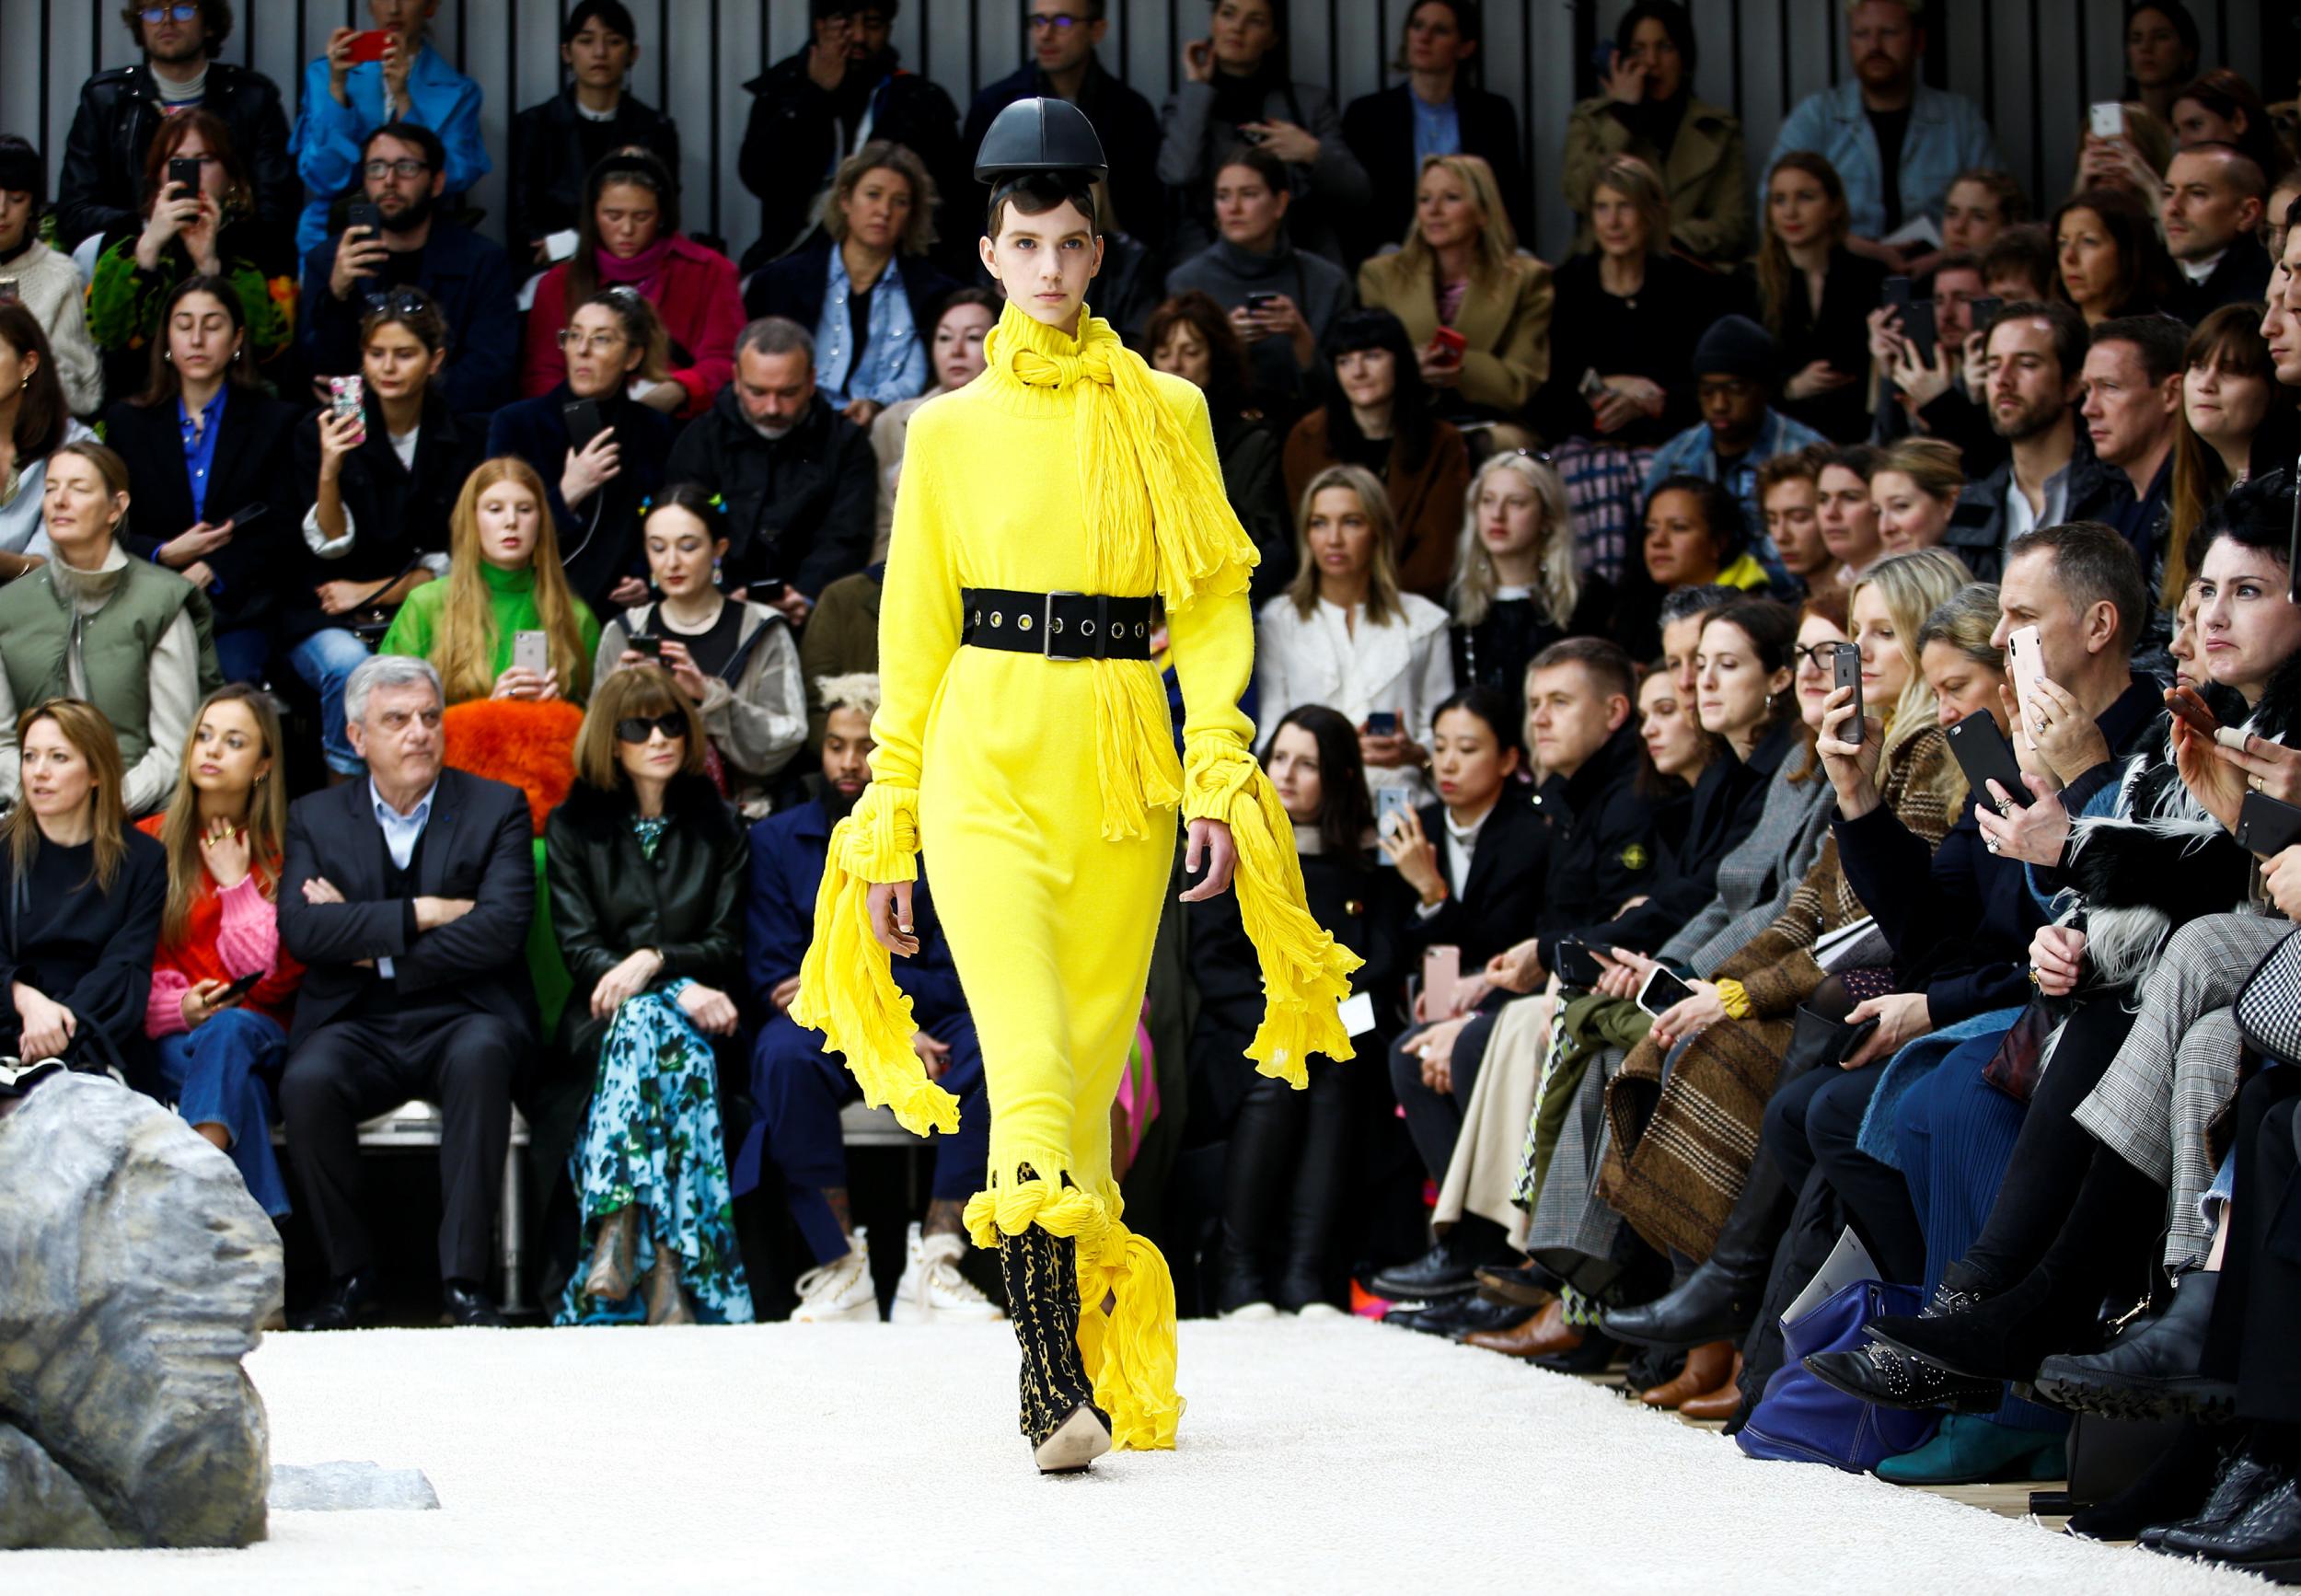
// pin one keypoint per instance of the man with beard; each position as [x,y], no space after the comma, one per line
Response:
[403,175]
[2033,374]
[800,1088]
[815,108]
[122,107]
[1898,144]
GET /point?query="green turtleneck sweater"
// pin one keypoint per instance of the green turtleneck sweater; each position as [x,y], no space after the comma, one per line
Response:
[512,598]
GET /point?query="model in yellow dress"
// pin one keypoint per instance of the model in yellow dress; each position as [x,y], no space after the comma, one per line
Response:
[1043,786]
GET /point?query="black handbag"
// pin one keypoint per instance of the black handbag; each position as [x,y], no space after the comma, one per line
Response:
[2019,1061]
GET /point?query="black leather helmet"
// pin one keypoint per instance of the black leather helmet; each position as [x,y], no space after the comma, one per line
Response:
[1032,136]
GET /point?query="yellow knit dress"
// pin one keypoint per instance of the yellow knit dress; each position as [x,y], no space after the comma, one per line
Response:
[1043,790]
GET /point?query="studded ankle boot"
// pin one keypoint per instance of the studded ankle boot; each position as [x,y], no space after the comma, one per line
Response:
[1065,1429]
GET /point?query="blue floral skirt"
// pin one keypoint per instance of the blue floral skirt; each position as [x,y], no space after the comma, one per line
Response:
[652,1137]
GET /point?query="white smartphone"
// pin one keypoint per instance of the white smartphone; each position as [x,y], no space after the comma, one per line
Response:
[2029,669]
[2107,120]
[1391,806]
[531,650]
[1662,992]
[1442,973]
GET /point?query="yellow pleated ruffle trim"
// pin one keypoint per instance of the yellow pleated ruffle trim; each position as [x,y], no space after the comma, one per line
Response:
[1129,1351]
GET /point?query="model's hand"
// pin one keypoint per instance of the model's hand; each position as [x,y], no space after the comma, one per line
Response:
[890,902]
[1210,839]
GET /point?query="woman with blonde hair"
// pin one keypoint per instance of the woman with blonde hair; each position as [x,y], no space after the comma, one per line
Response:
[80,899]
[1815,296]
[1477,310]
[504,578]
[1915,489]
[1344,635]
[223,988]
[1516,588]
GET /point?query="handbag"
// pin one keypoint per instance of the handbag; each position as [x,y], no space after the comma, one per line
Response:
[2019,1061]
[2268,1005]
[1799,1419]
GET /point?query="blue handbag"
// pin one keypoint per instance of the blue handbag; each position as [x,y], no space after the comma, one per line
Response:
[1799,1419]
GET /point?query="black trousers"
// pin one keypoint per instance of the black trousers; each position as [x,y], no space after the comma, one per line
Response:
[1435,1119]
[2259,1300]
[353,1070]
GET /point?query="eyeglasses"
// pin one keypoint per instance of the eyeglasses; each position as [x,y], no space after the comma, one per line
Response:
[168,13]
[636,728]
[1818,657]
[398,302]
[1059,24]
[593,344]
[406,168]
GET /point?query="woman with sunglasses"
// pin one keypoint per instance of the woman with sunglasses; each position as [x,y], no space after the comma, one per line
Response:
[382,483]
[646,870]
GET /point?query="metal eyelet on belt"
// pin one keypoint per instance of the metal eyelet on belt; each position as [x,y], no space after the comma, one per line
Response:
[1137,629]
[1086,628]
[979,617]
[1022,623]
[994,619]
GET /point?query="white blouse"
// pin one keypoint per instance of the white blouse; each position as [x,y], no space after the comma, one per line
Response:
[1336,658]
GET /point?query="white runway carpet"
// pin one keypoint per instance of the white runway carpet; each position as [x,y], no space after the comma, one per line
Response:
[1325,1457]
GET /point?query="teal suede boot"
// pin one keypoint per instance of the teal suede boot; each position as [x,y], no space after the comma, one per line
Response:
[1969,1449]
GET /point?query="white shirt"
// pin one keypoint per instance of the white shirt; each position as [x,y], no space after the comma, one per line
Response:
[1334,657]
[1458,859]
[2019,518]
[2198,270]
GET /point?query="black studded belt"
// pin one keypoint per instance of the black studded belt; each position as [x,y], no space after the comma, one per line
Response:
[1056,625]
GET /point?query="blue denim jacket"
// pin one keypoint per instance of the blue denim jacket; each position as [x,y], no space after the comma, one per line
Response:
[1948,134]
[894,363]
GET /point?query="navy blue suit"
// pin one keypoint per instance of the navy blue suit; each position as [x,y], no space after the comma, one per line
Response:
[798,1087]
[468,277]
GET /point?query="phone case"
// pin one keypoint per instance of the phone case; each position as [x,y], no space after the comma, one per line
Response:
[531,650]
[1577,966]
[1845,668]
[1986,757]
[2267,826]
[2029,669]
[1661,992]
[1442,973]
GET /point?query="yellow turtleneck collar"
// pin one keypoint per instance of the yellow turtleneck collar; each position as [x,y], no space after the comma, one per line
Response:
[1019,337]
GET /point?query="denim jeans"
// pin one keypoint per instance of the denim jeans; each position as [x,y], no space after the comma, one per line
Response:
[325,660]
[216,1074]
[243,654]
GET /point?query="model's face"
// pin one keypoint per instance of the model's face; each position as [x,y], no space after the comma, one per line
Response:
[1509,514]
[1369,378]
[1970,218]
[1886,655]
[1446,210]
[1182,353]
[1294,773]
[774,391]
[1681,550]
[1061,36]
[957,354]
[1656,54]
[1672,736]
[395,364]
[1798,207]
[2153,54]
[1962,684]
[1045,262]
[58,782]
[2028,393]
[510,521]
[601,357]
[1847,518]
[2224,407]
[1908,516]
[847,746]
[1568,718]
[1247,209]
[681,552]
[1434,39]
[2088,259]
[1795,527]
[1617,223]
[2204,212]
[1340,534]
[201,341]
[1817,672]
[2128,417]
[879,210]
[1883,43]
[226,756]
[2246,623]
[1468,763]
[1733,690]
[1244,33]
[399,735]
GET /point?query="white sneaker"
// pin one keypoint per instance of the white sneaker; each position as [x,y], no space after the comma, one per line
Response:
[932,1290]
[839,1291]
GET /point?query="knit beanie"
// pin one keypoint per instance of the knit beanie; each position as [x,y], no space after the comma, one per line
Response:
[1734,346]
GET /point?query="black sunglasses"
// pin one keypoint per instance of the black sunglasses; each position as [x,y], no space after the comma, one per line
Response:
[635,728]
[403,302]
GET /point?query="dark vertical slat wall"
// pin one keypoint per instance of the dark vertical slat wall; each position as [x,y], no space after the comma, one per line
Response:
[1758,57]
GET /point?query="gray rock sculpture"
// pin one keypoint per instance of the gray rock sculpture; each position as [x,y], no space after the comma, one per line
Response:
[134,1269]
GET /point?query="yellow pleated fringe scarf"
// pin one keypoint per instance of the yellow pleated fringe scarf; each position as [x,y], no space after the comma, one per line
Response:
[1157,519]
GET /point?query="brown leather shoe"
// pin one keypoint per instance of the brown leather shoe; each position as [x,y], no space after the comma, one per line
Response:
[1717,1406]
[1544,1334]
[1706,1366]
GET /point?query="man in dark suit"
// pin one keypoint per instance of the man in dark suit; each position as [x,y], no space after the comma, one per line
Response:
[407,896]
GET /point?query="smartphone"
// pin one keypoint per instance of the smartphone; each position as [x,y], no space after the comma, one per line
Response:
[1981,309]
[1919,328]
[346,396]
[240,517]
[768,590]
[2106,120]
[1442,973]
[2184,702]
[1382,723]
[2267,826]
[1896,295]
[1662,992]
[2029,669]
[1258,303]
[184,170]
[1592,386]
[9,294]
[1846,672]
[1578,965]
[1447,339]
[1253,136]
[369,46]
[642,643]
[363,214]
[584,423]
[237,988]
[1392,805]
[531,650]
[1984,756]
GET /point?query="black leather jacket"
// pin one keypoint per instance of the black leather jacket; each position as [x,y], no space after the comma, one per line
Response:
[119,111]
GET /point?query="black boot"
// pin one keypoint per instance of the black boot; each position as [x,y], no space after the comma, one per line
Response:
[1889,1377]
[2154,1371]
[2264,1538]
[1719,1301]
[2245,1476]
[1451,1267]
[1307,1278]
[2171,1490]
[1065,1429]
[1256,1169]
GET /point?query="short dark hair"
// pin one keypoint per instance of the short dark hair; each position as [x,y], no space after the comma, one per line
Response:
[1680,603]
[2092,563]
[2161,341]
[2012,205]
[1467,22]
[1498,709]
[23,171]
[1609,669]
[1258,160]
[611,15]
[215,15]
[1040,193]
[408,133]
[2025,248]
[1721,513]
[1413,427]
[2238,165]
[42,415]
[1862,460]
[2071,339]
[775,335]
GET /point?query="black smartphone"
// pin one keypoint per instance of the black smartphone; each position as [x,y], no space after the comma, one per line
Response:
[184,170]
[1847,668]
[1918,327]
[650,647]
[1984,756]
[2267,826]
[363,214]
[769,590]
[1578,965]
[240,517]
[1895,295]
[1258,303]
[239,988]
[584,423]
[1851,1043]
[1382,724]
[1982,310]
[1662,992]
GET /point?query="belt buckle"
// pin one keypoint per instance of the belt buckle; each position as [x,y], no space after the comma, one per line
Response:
[1047,631]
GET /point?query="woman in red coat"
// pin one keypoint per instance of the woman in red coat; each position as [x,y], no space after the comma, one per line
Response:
[627,236]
